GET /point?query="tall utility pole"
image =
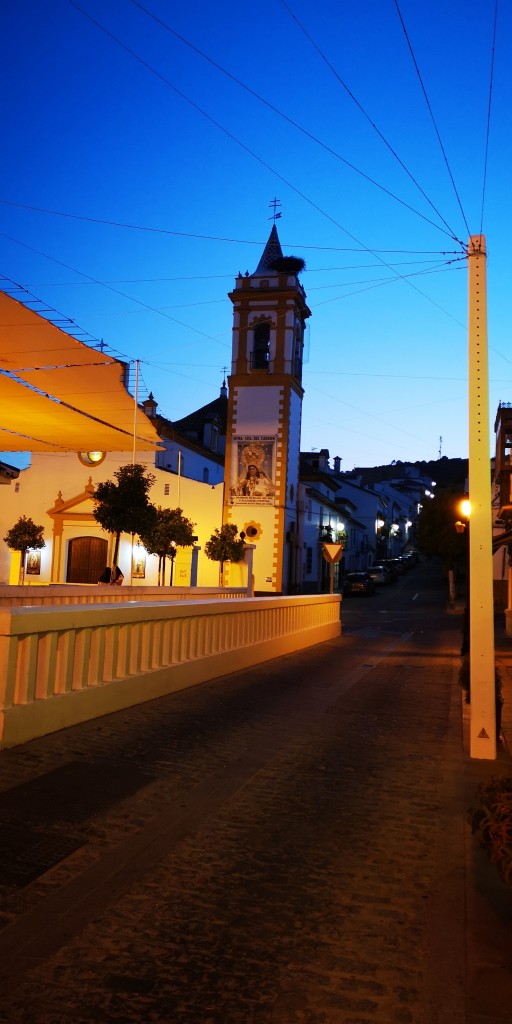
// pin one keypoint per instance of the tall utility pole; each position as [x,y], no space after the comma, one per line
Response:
[481,599]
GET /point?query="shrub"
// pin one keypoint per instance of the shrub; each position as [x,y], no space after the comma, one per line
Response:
[492,823]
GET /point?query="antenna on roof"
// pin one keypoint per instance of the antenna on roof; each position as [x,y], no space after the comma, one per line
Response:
[276,215]
[440,446]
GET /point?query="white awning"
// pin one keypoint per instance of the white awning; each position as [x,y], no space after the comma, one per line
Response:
[57,394]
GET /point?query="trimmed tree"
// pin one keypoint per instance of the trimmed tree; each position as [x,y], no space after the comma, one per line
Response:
[124,506]
[170,530]
[225,546]
[22,536]
[436,535]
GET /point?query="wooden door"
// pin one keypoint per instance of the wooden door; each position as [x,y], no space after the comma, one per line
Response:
[87,557]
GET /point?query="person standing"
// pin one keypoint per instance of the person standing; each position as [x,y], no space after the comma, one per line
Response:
[113,577]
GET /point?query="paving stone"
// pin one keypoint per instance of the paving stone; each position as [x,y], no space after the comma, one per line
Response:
[286,848]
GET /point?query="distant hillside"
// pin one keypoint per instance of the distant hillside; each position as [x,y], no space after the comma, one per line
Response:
[446,472]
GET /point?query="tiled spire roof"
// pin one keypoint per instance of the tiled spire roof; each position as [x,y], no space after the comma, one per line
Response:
[271,252]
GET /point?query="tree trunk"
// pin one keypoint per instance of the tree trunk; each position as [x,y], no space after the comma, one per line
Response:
[22,567]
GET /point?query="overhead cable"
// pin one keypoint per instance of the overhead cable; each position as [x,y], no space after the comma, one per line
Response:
[299,127]
[217,238]
[489,115]
[368,118]
[431,115]
[247,149]
[116,291]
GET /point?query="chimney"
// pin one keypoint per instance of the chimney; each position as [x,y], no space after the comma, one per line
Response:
[150,406]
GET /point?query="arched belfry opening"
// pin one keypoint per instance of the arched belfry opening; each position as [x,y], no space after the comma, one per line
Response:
[260,355]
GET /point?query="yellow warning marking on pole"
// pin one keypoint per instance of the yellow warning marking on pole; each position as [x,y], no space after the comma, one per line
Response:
[482,735]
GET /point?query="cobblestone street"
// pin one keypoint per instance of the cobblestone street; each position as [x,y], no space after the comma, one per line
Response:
[286,845]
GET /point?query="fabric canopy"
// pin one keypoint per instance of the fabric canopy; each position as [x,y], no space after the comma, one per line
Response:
[57,394]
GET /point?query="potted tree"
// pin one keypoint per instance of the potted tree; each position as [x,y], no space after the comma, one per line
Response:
[23,536]
[171,529]
[225,545]
[124,506]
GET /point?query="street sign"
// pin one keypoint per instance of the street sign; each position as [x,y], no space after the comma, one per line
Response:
[332,552]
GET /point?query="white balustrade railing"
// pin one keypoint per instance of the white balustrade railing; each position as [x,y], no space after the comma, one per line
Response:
[62,665]
[76,593]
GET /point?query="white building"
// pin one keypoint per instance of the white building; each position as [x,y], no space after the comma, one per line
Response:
[56,492]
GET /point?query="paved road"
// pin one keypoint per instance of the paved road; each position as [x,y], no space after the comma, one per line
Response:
[285,845]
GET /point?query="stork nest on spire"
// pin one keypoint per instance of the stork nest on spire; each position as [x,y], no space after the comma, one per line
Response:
[288,264]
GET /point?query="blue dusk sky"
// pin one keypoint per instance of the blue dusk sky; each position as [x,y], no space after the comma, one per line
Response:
[144,144]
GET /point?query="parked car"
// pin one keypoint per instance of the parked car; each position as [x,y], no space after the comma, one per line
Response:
[389,564]
[379,574]
[408,560]
[398,564]
[358,583]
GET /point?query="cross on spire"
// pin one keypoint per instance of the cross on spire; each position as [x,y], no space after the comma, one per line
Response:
[276,215]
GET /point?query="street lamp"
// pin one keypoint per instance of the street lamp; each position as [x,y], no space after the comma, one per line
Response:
[379,523]
[460,526]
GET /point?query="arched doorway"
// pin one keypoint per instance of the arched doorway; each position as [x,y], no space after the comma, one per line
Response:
[87,558]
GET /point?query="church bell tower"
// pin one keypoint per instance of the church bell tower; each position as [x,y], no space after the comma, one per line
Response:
[264,416]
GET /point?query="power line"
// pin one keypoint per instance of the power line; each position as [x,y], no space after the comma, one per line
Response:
[431,115]
[489,114]
[218,277]
[439,269]
[387,376]
[152,309]
[368,118]
[299,127]
[63,321]
[247,149]
[116,291]
[219,238]
[380,284]
[436,269]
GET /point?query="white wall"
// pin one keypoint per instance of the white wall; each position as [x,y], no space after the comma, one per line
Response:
[193,464]
[39,486]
